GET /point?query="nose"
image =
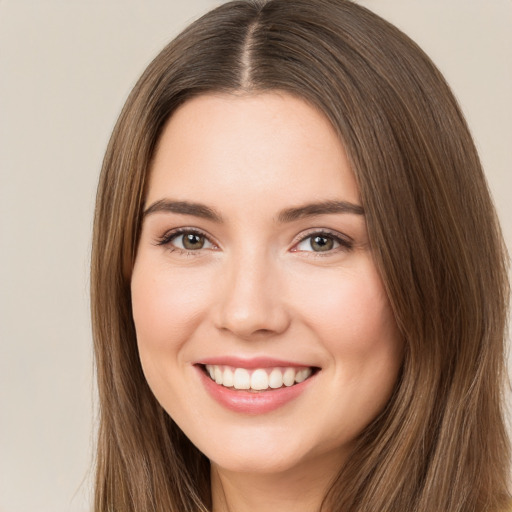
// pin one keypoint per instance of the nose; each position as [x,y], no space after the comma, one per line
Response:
[251,301]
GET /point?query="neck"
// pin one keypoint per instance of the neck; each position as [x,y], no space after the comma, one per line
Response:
[301,489]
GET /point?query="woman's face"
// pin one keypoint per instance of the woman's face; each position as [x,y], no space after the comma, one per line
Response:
[254,265]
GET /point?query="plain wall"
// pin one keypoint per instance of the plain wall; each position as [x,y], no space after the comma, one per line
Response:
[66,67]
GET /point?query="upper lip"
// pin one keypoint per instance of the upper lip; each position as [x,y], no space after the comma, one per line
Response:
[250,363]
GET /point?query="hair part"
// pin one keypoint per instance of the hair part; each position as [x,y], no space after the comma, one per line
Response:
[441,442]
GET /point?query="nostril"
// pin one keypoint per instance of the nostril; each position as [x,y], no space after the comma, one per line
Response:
[254,324]
[249,303]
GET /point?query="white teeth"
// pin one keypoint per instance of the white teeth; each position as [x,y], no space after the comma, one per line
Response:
[302,375]
[242,379]
[275,379]
[227,378]
[258,379]
[218,375]
[289,377]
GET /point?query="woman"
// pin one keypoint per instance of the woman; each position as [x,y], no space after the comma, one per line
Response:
[299,287]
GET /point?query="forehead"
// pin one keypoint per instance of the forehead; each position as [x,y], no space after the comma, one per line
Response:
[262,147]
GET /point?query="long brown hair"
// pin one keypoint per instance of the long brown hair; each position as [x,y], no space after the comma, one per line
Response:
[441,443]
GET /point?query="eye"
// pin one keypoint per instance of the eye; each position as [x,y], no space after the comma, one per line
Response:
[323,242]
[186,240]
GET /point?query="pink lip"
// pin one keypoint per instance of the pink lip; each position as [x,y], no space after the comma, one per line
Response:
[247,402]
[255,362]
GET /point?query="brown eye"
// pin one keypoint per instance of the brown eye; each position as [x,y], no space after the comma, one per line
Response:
[192,241]
[324,242]
[321,243]
[186,240]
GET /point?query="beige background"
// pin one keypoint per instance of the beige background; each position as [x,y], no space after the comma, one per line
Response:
[66,67]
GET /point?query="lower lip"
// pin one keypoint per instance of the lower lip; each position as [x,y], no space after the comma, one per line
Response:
[247,402]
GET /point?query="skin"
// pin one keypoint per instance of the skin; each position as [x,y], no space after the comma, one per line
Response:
[258,287]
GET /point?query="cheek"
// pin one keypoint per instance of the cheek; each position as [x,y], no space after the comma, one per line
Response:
[167,306]
[348,308]
[349,313]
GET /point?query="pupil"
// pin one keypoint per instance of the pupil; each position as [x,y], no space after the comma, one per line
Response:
[321,243]
[192,241]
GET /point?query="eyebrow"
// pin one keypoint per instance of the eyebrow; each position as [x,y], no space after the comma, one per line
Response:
[185,208]
[287,215]
[322,208]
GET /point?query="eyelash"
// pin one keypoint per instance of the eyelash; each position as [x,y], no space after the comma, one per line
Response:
[345,243]
[169,236]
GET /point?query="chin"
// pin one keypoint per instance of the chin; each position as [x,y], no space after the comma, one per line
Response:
[257,462]
[266,451]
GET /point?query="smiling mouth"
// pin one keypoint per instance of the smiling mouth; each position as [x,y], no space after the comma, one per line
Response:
[258,379]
